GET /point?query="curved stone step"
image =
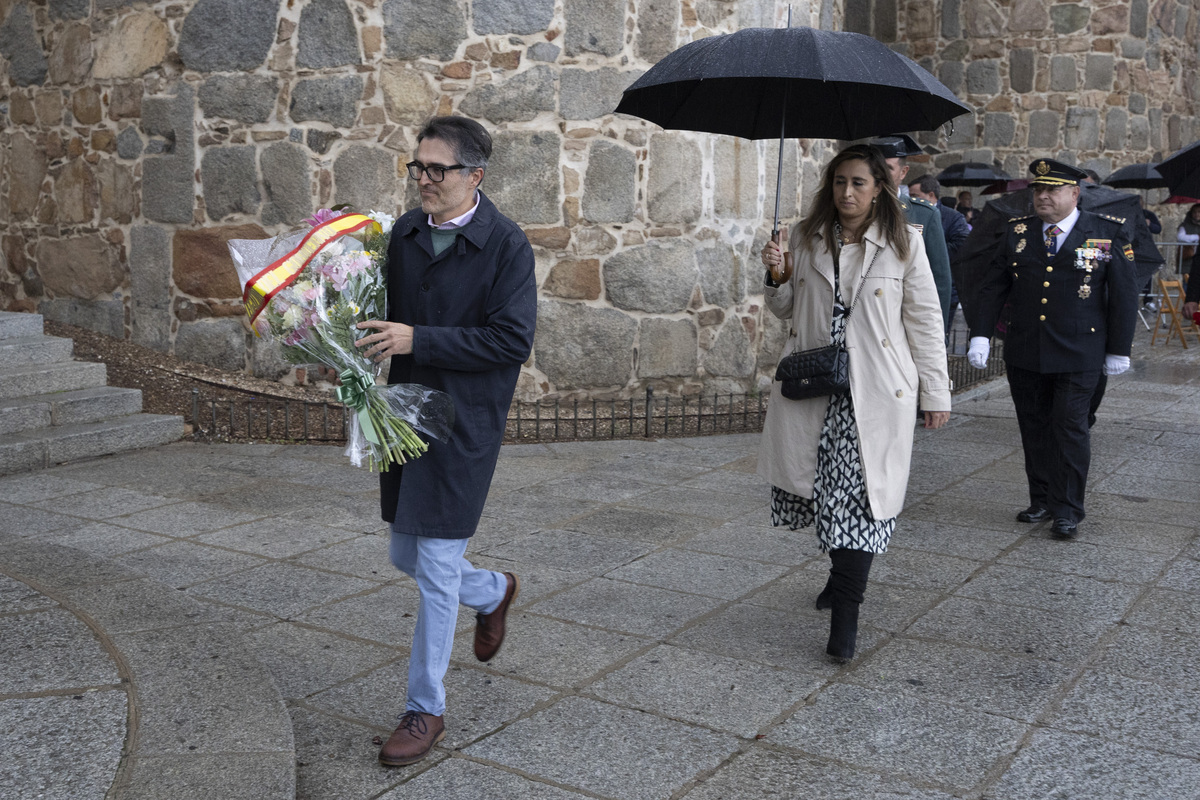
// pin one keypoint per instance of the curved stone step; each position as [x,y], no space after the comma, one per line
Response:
[44,447]
[206,719]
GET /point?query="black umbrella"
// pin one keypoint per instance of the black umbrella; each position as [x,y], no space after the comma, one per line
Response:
[759,83]
[1136,176]
[1182,171]
[971,173]
[987,233]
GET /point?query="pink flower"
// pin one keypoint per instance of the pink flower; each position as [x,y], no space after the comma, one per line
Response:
[322,215]
[311,295]
[360,263]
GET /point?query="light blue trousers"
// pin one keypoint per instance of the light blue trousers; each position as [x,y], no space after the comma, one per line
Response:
[444,579]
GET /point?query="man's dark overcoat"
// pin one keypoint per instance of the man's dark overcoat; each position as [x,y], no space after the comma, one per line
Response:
[1054,324]
[473,309]
[929,223]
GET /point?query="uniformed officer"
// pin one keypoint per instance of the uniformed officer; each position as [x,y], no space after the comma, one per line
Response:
[924,216]
[1068,278]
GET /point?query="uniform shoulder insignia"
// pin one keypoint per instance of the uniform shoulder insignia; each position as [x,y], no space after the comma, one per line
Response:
[1018,219]
[1110,217]
[918,201]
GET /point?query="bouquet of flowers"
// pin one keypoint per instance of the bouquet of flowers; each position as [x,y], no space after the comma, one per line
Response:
[309,289]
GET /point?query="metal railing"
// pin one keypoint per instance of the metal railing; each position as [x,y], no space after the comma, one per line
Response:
[1172,253]
[648,415]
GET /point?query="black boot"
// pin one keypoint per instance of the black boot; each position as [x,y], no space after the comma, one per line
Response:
[824,599]
[847,586]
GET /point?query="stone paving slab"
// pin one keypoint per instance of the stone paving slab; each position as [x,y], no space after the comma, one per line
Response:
[613,751]
[662,628]
[43,734]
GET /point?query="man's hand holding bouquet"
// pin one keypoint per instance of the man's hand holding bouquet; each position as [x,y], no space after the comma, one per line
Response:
[310,289]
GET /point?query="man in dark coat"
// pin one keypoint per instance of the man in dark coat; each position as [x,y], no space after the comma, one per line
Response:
[921,215]
[1069,280]
[462,302]
[954,227]
[954,224]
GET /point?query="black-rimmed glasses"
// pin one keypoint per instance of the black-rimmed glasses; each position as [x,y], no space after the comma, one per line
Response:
[436,172]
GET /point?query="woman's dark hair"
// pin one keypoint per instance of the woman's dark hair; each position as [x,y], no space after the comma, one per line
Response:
[1192,210]
[470,141]
[886,210]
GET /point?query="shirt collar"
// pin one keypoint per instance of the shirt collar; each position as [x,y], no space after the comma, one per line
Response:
[459,221]
[1065,225]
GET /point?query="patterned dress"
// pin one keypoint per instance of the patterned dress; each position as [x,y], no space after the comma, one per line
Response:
[839,506]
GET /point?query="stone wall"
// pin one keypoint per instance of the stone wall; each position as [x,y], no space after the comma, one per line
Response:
[1098,84]
[139,136]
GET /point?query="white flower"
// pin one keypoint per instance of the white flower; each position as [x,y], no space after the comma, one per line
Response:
[302,286]
[334,248]
[293,316]
[385,220]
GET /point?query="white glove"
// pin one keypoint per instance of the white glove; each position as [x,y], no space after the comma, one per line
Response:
[1115,365]
[977,354]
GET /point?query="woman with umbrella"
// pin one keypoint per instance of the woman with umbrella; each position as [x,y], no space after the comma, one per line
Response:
[841,462]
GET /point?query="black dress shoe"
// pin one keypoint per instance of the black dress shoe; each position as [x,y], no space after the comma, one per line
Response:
[1033,514]
[1064,529]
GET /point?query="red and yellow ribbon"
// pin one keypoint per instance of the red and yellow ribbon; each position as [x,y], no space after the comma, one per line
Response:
[280,274]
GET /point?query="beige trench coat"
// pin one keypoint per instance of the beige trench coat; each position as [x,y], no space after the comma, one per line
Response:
[897,349]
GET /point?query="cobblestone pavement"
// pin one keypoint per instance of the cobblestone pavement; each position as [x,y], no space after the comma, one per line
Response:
[226,617]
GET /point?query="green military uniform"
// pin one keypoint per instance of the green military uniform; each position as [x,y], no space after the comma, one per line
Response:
[928,221]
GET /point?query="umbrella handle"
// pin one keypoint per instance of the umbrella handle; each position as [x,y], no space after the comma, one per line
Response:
[784,271]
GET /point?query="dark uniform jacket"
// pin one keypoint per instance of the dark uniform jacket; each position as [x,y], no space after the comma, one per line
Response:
[954,226]
[1061,316]
[473,309]
[929,222]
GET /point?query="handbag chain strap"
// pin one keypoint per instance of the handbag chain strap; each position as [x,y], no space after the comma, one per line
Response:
[837,266]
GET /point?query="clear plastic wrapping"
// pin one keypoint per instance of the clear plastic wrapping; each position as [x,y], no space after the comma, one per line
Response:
[309,289]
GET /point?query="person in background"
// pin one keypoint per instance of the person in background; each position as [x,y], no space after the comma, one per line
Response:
[1068,278]
[1155,226]
[923,216]
[1189,231]
[954,227]
[841,463]
[964,206]
[462,307]
[1152,221]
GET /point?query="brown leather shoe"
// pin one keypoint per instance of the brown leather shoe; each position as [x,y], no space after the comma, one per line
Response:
[489,628]
[412,740]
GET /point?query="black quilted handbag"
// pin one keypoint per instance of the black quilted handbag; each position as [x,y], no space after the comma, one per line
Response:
[820,372]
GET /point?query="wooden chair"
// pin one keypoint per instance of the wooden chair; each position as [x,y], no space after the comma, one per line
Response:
[1172,305]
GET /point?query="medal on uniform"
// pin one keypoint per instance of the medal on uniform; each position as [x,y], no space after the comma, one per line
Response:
[1020,228]
[1101,249]
[1085,292]
[1020,245]
[1086,257]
